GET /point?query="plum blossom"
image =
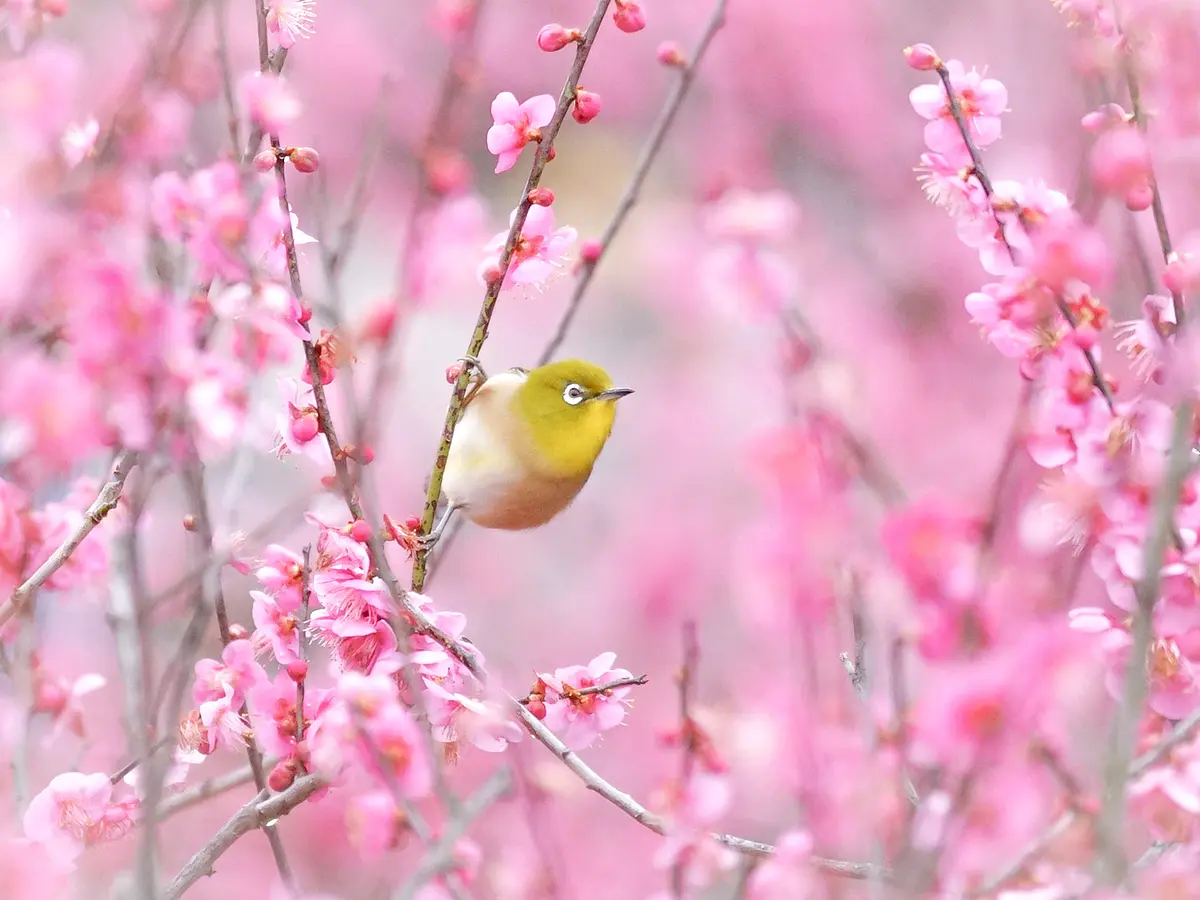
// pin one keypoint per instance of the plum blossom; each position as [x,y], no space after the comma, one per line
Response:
[268,100]
[291,20]
[515,125]
[76,811]
[579,719]
[538,254]
[981,100]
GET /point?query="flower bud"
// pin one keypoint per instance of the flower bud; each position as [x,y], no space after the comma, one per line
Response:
[49,698]
[587,106]
[366,456]
[537,708]
[922,57]
[541,196]
[413,523]
[264,161]
[360,531]
[189,522]
[305,428]
[491,274]
[305,159]
[380,323]
[554,37]
[669,54]
[238,632]
[553,153]
[590,250]
[447,172]
[1182,273]
[454,370]
[1139,198]
[53,8]
[1099,119]
[297,670]
[281,776]
[629,16]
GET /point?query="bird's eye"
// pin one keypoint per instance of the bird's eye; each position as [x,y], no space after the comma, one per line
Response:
[574,394]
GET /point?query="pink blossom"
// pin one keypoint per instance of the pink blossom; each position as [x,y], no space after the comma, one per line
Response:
[54,523]
[580,719]
[61,699]
[77,811]
[78,141]
[981,100]
[231,678]
[276,627]
[1144,340]
[948,182]
[456,717]
[538,254]
[281,572]
[515,125]
[291,20]
[374,823]
[273,713]
[268,100]
[788,873]
[17,534]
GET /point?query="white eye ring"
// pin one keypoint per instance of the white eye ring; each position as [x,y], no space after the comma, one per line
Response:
[574,394]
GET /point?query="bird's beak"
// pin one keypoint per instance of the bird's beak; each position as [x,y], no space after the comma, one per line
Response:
[614,393]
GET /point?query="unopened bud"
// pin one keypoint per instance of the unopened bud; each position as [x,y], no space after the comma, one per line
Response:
[238,632]
[380,323]
[305,159]
[669,54]
[1140,198]
[554,37]
[297,670]
[587,106]
[922,57]
[491,274]
[366,456]
[455,369]
[264,161]
[447,173]
[360,531]
[541,196]
[536,708]
[1103,116]
[305,428]
[590,250]
[189,522]
[413,523]
[553,153]
[54,8]
[281,776]
[629,16]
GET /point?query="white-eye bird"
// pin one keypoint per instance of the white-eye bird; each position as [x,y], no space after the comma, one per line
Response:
[526,442]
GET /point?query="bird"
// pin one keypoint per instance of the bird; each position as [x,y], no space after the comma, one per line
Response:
[525,443]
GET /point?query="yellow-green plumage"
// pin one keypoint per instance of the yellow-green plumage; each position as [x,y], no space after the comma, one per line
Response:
[527,442]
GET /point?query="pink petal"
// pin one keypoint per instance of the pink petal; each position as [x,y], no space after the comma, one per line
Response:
[539,110]
[532,271]
[927,100]
[503,139]
[505,108]
[986,130]
[507,160]
[992,96]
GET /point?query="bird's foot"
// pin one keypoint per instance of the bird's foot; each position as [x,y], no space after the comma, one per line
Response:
[475,367]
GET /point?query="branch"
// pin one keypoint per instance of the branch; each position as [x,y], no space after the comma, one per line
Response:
[440,857]
[650,151]
[687,733]
[1110,825]
[218,784]
[258,813]
[602,688]
[106,502]
[484,320]
[643,816]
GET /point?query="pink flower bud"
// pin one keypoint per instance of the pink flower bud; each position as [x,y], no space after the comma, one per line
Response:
[554,37]
[587,106]
[922,57]
[541,196]
[189,522]
[412,523]
[1182,273]
[447,172]
[360,531]
[669,54]
[1099,119]
[264,161]
[281,776]
[380,323]
[537,708]
[590,250]
[1139,198]
[366,456]
[305,428]
[1120,160]
[455,369]
[629,16]
[491,274]
[297,670]
[553,153]
[54,8]
[50,698]
[238,632]
[305,159]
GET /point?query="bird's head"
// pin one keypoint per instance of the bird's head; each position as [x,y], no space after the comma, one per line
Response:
[568,408]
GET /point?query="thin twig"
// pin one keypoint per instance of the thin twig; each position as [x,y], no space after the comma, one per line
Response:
[484,320]
[1111,862]
[258,813]
[105,502]
[218,784]
[687,732]
[605,688]
[440,857]
[650,152]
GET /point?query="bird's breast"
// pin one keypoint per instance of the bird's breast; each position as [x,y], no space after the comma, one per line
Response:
[488,473]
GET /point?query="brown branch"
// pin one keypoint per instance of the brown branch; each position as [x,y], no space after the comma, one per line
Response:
[440,857]
[105,502]
[602,688]
[214,786]
[258,813]
[650,152]
[687,732]
[484,320]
